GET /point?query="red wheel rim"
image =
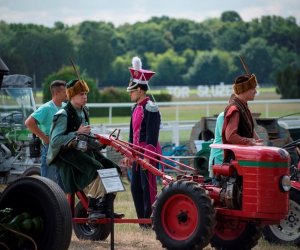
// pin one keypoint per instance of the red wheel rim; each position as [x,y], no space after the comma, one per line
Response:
[179,217]
[230,230]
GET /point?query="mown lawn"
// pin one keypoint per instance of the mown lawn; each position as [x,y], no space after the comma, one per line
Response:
[130,236]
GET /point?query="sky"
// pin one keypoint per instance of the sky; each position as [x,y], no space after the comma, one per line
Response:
[118,12]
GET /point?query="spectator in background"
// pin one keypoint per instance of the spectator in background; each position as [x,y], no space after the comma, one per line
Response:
[39,123]
[144,132]
[216,154]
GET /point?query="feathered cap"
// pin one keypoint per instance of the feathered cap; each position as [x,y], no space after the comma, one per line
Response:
[244,82]
[75,87]
[139,76]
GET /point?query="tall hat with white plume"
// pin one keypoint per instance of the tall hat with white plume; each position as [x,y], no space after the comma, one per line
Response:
[139,77]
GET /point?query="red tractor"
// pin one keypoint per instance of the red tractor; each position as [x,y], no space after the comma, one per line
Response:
[190,213]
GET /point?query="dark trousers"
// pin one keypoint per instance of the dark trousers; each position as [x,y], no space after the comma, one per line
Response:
[142,189]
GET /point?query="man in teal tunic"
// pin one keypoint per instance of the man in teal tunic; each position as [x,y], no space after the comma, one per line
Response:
[40,121]
[77,168]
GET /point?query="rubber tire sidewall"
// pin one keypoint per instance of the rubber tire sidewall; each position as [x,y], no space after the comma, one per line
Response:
[42,197]
[206,219]
[271,237]
[245,240]
[85,231]
[32,171]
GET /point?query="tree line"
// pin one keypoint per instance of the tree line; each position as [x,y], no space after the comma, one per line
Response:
[180,51]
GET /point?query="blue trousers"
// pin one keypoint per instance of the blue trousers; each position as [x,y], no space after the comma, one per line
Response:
[143,190]
[49,172]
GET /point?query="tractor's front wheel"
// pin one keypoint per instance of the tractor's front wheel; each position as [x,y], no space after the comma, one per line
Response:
[235,235]
[183,216]
[288,230]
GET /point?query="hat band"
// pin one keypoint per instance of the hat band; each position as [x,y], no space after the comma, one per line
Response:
[251,83]
[139,81]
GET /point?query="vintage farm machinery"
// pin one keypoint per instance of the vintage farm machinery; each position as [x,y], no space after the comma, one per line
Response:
[34,213]
[19,148]
[190,213]
[275,132]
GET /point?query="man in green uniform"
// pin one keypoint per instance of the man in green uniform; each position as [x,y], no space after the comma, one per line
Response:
[78,167]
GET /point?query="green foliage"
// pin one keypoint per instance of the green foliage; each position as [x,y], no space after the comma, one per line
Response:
[259,57]
[116,95]
[95,51]
[169,67]
[119,74]
[180,51]
[211,68]
[288,81]
[146,37]
[162,97]
[230,16]
[67,73]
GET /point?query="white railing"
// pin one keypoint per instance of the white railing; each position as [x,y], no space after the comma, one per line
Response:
[177,125]
[207,105]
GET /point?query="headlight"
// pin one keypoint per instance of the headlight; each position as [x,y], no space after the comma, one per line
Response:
[285,183]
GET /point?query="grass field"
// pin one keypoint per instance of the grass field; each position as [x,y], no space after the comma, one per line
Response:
[130,236]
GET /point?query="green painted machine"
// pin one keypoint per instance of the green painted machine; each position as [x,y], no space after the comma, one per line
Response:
[19,148]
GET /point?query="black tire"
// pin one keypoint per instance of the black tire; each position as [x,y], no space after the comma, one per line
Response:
[235,235]
[32,171]
[288,231]
[89,231]
[42,197]
[183,216]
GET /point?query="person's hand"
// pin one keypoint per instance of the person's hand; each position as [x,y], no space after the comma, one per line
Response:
[259,142]
[46,140]
[84,129]
[127,162]
[146,160]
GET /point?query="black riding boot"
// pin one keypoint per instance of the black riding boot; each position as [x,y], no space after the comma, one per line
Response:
[106,205]
[93,210]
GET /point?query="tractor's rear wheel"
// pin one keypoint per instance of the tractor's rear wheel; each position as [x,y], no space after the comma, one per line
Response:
[183,216]
[235,235]
[42,197]
[89,231]
[288,231]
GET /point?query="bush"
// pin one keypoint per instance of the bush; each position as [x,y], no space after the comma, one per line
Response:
[67,73]
[116,95]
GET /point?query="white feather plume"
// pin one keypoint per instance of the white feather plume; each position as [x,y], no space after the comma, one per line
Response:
[136,63]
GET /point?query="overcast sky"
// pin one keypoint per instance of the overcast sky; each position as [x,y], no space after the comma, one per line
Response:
[47,12]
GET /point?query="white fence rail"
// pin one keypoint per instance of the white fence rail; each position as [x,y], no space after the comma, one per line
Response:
[177,125]
[206,104]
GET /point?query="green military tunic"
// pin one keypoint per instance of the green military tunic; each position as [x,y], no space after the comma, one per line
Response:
[77,169]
